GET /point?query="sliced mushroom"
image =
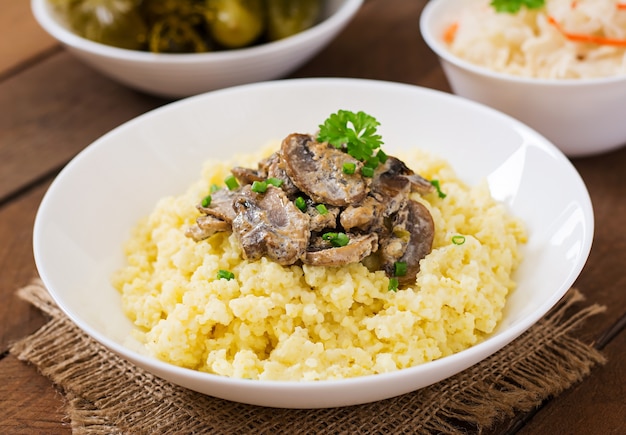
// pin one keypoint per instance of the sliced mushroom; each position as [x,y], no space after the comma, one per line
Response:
[367,216]
[317,170]
[206,226]
[274,168]
[410,240]
[248,175]
[221,205]
[319,221]
[269,224]
[323,254]
[393,181]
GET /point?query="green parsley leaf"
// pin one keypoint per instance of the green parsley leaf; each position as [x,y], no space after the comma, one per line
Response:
[513,6]
[355,131]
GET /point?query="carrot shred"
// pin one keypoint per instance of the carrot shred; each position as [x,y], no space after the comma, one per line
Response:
[580,37]
[621,6]
[450,33]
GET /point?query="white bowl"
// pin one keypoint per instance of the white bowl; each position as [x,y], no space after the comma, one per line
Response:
[89,210]
[581,116]
[182,75]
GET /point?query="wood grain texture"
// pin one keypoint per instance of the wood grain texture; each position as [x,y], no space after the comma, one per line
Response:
[27,39]
[29,404]
[53,106]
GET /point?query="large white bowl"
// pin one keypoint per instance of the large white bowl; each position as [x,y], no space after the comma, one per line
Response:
[182,75]
[581,116]
[89,210]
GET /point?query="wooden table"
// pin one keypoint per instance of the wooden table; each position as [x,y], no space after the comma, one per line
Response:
[52,106]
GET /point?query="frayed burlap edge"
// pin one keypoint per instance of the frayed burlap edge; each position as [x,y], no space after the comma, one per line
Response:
[107,395]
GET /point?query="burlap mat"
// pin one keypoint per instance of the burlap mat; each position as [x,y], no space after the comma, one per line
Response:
[107,395]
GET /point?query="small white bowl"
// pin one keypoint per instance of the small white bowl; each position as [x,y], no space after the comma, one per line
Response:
[581,116]
[123,175]
[181,75]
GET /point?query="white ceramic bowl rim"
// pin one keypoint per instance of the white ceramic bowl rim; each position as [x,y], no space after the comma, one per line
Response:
[41,12]
[436,44]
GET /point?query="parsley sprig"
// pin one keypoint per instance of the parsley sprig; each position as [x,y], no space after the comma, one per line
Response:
[355,131]
[513,6]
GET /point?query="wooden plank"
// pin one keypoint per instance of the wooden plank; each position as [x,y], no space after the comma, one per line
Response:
[360,53]
[29,402]
[44,126]
[27,39]
[596,404]
[18,267]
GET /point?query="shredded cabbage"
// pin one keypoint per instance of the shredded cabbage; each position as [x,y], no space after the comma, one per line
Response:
[527,44]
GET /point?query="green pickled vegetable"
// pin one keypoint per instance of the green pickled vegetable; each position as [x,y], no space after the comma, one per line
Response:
[176,26]
[111,22]
[235,23]
[288,17]
[187,26]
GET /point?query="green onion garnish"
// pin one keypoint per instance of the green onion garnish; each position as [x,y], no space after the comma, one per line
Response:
[400,268]
[277,182]
[214,188]
[206,201]
[393,284]
[259,186]
[231,182]
[336,239]
[300,203]
[225,274]
[372,162]
[349,168]
[438,187]
[458,239]
[321,208]
[367,171]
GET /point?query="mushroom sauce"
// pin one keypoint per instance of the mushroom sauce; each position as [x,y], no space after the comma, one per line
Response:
[381,225]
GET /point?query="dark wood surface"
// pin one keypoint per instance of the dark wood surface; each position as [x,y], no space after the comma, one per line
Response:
[52,106]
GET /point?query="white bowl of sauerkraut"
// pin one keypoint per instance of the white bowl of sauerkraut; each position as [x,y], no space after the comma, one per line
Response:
[559,67]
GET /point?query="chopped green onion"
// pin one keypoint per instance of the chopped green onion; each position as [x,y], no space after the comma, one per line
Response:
[400,268]
[382,157]
[277,182]
[225,274]
[300,203]
[367,171]
[458,239]
[438,187]
[259,186]
[231,182]
[321,208]
[336,239]
[214,188]
[349,168]
[206,201]
[372,162]
[393,284]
